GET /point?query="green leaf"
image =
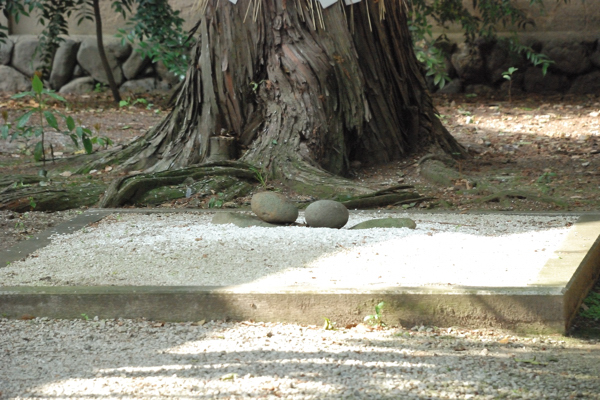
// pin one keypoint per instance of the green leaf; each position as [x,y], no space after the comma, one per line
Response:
[87,144]
[70,123]
[37,84]
[123,103]
[22,94]
[74,139]
[22,121]
[4,131]
[51,119]
[55,96]
[38,152]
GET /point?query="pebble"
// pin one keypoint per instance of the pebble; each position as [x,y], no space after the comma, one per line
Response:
[138,359]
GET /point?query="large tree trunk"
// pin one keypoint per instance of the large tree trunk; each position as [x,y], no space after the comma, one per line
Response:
[304,90]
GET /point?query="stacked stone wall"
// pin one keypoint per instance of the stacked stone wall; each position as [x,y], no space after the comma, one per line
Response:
[480,68]
[77,67]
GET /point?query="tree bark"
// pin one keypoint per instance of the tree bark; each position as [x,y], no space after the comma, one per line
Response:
[107,69]
[304,90]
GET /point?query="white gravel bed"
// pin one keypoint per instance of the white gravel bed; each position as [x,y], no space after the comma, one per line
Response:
[187,250]
[126,359]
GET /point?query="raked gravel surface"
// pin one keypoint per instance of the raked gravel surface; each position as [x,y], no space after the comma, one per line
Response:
[187,249]
[137,359]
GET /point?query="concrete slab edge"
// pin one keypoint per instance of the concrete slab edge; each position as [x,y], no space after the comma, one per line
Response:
[529,313]
[547,308]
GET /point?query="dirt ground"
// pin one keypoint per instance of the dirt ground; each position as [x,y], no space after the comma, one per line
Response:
[535,153]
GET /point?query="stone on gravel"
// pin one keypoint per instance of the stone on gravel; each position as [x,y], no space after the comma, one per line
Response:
[78,86]
[273,207]
[326,214]
[387,223]
[12,80]
[240,220]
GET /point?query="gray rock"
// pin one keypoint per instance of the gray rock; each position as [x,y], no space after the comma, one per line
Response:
[78,72]
[387,223]
[88,58]
[26,59]
[143,85]
[134,65]
[452,87]
[535,82]
[595,58]
[436,172]
[165,74]
[78,86]
[569,58]
[64,63]
[240,220]
[499,60]
[273,207]
[12,80]
[482,90]
[6,49]
[586,84]
[469,63]
[326,214]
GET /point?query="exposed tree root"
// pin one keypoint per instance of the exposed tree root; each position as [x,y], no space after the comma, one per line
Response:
[129,189]
[56,197]
[518,194]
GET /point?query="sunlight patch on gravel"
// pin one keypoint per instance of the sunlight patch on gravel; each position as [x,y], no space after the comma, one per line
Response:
[187,250]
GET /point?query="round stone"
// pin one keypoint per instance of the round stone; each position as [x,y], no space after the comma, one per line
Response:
[274,208]
[326,214]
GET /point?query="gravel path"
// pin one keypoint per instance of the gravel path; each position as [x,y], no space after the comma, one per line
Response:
[186,249]
[126,359]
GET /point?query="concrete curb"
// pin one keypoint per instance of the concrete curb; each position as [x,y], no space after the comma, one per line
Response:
[547,306]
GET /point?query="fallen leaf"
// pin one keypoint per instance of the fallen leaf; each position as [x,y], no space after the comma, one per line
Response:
[27,317]
[504,341]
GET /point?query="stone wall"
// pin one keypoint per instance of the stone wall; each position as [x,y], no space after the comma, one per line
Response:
[479,68]
[77,67]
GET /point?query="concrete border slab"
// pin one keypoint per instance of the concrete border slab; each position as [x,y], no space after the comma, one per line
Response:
[546,306]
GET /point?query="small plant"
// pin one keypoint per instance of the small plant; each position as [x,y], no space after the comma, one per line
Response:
[260,176]
[328,325]
[592,302]
[216,201]
[39,106]
[85,316]
[99,88]
[376,319]
[508,76]
[130,102]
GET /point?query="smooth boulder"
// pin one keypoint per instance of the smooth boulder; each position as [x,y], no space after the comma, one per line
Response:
[274,208]
[387,223]
[326,214]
